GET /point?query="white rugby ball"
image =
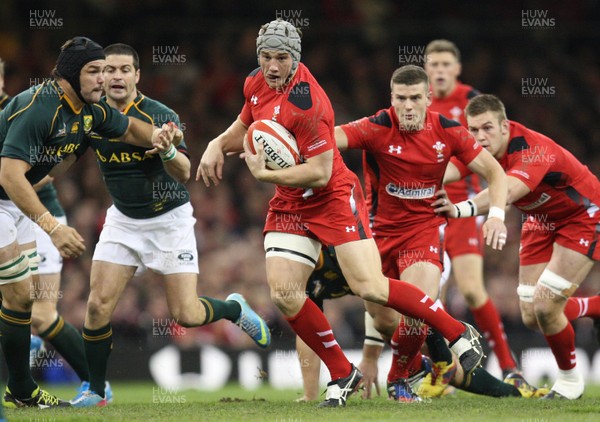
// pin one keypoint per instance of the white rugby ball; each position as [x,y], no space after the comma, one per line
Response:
[280,147]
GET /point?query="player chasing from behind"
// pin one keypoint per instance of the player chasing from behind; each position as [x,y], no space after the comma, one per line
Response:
[407,148]
[463,239]
[45,319]
[326,199]
[150,225]
[41,129]
[560,197]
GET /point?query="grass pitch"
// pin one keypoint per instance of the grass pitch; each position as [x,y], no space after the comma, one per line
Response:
[146,402]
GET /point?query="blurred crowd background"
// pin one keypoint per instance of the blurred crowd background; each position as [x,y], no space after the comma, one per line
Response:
[352,47]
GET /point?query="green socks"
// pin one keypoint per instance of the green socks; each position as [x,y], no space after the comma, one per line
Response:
[482,382]
[98,344]
[438,349]
[68,342]
[15,337]
[218,309]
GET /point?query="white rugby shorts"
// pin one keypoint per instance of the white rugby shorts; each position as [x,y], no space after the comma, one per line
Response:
[165,244]
[14,225]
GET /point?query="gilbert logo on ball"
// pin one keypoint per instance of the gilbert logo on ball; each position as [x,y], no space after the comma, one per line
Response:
[280,147]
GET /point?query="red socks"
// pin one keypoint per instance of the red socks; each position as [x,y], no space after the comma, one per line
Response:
[406,345]
[488,321]
[312,327]
[411,301]
[563,347]
[578,307]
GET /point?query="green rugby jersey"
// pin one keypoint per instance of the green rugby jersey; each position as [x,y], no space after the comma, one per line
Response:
[4,100]
[138,184]
[49,198]
[41,126]
[47,193]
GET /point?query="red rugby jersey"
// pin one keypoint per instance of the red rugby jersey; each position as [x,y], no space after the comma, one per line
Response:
[561,186]
[304,109]
[406,168]
[453,107]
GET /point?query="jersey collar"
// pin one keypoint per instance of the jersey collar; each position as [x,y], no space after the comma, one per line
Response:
[64,98]
[133,103]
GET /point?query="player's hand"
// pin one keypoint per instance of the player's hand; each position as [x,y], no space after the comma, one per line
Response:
[177,134]
[494,233]
[68,242]
[211,164]
[241,155]
[368,367]
[162,139]
[443,205]
[255,162]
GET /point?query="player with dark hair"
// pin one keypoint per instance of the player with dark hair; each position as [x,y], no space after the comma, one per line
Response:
[407,150]
[558,239]
[463,238]
[326,199]
[45,319]
[150,225]
[41,128]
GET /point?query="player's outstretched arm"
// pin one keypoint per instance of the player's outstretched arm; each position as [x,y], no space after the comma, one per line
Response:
[486,166]
[341,139]
[516,190]
[494,229]
[143,134]
[210,168]
[21,192]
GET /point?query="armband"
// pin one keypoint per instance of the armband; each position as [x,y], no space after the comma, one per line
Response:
[51,232]
[372,336]
[466,209]
[169,154]
[496,212]
[37,220]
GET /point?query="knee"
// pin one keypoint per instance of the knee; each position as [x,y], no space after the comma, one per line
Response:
[98,307]
[545,311]
[526,295]
[550,294]
[373,290]
[19,302]
[471,299]
[288,301]
[287,295]
[529,320]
